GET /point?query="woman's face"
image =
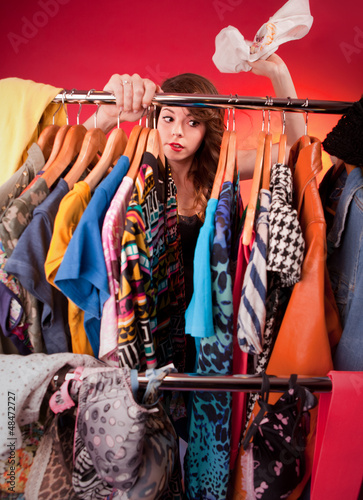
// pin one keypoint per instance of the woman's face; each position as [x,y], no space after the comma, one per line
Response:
[181,134]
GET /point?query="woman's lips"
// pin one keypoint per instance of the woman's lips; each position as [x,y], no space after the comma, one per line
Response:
[175,146]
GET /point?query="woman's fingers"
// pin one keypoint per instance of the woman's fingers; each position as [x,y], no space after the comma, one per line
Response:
[133,95]
[132,92]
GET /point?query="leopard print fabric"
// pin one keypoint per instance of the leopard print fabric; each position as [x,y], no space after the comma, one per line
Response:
[57,481]
[51,473]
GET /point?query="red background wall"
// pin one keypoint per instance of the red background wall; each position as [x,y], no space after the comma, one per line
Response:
[81,43]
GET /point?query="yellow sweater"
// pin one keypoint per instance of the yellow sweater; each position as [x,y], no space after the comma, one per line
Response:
[26,108]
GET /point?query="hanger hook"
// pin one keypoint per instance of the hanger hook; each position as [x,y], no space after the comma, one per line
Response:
[72,92]
[79,112]
[305,105]
[283,121]
[234,119]
[142,116]
[269,101]
[269,121]
[228,117]
[56,111]
[154,116]
[151,120]
[64,107]
[89,93]
[234,113]
[87,96]
[306,123]
[80,106]
[148,116]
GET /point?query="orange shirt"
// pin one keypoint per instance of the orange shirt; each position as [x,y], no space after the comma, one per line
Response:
[69,214]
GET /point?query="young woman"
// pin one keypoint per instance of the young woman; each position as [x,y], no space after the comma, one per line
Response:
[191,136]
[191,139]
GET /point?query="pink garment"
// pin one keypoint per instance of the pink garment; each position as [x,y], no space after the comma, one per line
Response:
[239,358]
[338,459]
[112,231]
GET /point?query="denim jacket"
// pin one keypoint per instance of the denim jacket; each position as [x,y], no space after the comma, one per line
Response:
[345,265]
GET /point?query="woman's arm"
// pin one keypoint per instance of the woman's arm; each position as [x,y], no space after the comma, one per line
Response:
[276,70]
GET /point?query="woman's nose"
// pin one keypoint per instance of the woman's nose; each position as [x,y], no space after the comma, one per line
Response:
[177,129]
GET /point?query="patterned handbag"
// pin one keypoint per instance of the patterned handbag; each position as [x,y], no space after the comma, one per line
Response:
[123,446]
[274,462]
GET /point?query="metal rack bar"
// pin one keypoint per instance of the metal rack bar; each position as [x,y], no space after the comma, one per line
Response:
[213,101]
[235,383]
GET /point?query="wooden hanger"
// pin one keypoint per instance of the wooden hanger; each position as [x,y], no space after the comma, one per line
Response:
[281,156]
[137,153]
[267,157]
[256,181]
[114,148]
[231,157]
[58,142]
[94,142]
[152,145]
[132,142]
[267,160]
[70,148]
[48,135]
[155,147]
[46,140]
[221,167]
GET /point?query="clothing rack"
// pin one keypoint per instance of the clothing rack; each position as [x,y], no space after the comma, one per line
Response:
[212,101]
[235,383]
[232,383]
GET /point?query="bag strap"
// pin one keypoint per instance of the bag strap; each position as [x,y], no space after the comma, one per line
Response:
[264,407]
[155,377]
[300,397]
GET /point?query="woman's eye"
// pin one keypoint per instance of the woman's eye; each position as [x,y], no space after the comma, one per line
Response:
[193,123]
[168,119]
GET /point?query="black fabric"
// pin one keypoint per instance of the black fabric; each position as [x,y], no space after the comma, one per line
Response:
[277,438]
[160,184]
[189,228]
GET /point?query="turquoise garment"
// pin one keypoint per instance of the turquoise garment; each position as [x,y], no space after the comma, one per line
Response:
[208,454]
[199,314]
[82,275]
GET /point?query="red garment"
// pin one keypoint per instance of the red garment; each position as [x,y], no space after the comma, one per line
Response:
[338,458]
[238,416]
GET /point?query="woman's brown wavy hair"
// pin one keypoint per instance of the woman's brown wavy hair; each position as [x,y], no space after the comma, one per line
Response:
[205,162]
